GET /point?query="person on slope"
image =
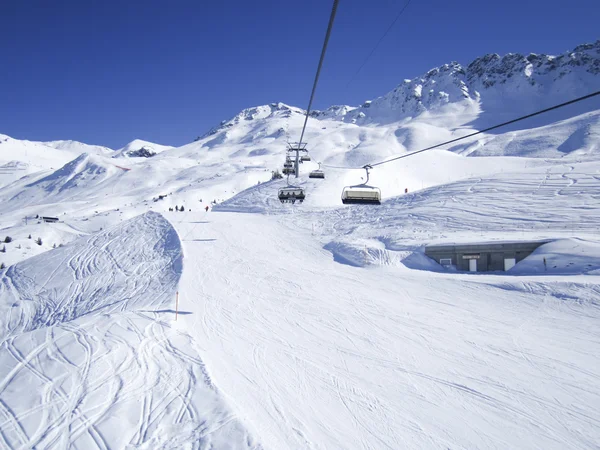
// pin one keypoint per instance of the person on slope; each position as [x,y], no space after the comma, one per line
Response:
[206,208]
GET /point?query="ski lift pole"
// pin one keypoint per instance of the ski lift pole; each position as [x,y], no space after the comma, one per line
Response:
[367,167]
[297,160]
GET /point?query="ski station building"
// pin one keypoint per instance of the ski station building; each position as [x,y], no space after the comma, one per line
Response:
[483,257]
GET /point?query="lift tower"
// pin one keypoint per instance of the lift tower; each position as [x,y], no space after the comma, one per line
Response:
[296,148]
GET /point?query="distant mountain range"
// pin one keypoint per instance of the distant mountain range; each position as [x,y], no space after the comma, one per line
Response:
[512,83]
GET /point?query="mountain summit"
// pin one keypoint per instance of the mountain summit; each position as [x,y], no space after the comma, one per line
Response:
[508,84]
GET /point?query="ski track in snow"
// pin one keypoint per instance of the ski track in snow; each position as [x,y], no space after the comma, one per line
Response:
[325,355]
[281,341]
[101,366]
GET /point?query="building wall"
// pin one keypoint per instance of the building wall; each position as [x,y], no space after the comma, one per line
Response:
[491,256]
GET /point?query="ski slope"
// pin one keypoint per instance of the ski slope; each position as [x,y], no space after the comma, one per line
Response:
[89,356]
[315,325]
[306,326]
[318,354]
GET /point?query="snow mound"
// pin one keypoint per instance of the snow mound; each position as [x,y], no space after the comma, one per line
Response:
[87,360]
[562,257]
[112,270]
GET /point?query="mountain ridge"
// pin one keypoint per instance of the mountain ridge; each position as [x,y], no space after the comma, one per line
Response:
[513,75]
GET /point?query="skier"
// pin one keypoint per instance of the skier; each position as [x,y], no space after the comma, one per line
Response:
[206,208]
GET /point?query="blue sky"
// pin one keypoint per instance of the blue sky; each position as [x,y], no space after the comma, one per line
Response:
[109,72]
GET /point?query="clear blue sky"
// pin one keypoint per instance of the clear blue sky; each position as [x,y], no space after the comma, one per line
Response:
[107,72]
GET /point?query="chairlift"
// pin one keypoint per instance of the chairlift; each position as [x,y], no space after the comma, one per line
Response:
[289,171]
[362,193]
[291,194]
[304,158]
[317,173]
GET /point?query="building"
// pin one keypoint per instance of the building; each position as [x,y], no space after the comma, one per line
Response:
[482,257]
[49,219]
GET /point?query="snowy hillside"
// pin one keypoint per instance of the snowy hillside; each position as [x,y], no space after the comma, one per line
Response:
[79,147]
[19,158]
[314,325]
[140,149]
[90,339]
[496,85]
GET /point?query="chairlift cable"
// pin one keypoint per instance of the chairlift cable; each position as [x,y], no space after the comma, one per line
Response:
[570,102]
[406,155]
[312,95]
[378,43]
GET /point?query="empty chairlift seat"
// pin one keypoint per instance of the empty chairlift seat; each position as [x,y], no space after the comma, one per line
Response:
[361,194]
[291,194]
[316,174]
[305,158]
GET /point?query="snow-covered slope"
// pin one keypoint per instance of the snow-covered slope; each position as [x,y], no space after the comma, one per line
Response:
[140,149]
[79,147]
[315,325]
[83,328]
[323,355]
[447,102]
[497,85]
[80,179]
[19,158]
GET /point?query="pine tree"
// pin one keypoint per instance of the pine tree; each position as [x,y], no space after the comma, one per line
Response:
[2,266]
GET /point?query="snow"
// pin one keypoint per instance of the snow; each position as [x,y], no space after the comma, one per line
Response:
[92,343]
[79,147]
[313,325]
[134,147]
[563,257]
[326,355]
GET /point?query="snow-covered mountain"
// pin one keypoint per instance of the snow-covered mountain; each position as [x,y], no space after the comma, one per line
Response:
[140,149]
[511,84]
[314,325]
[79,147]
[446,102]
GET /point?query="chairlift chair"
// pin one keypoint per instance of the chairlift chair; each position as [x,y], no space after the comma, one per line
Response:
[305,158]
[362,193]
[291,194]
[317,173]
